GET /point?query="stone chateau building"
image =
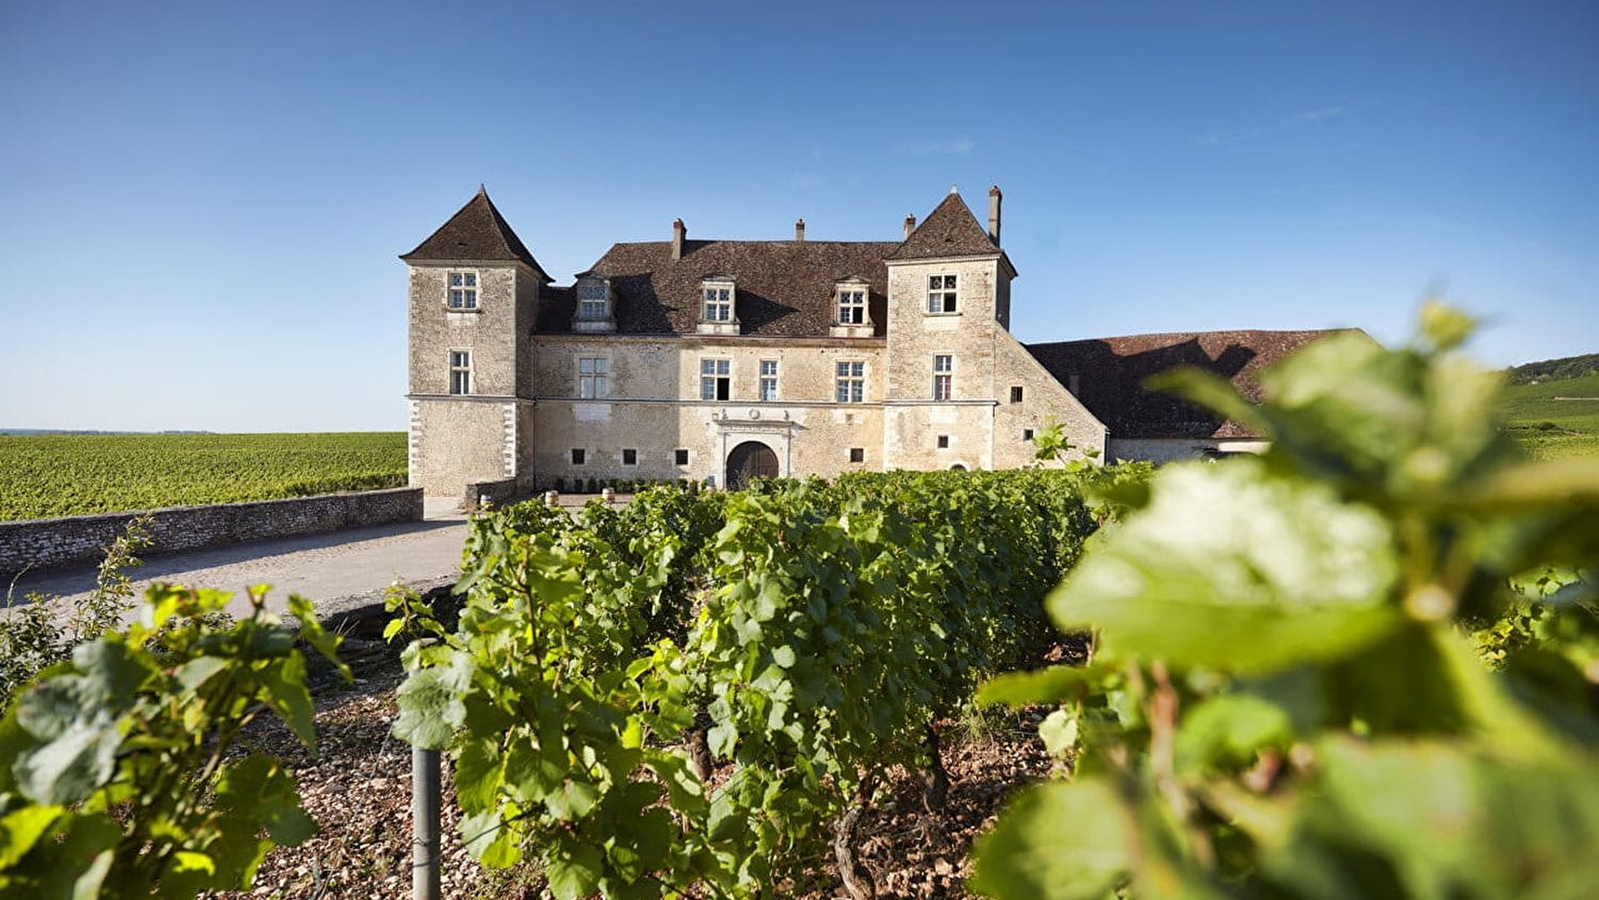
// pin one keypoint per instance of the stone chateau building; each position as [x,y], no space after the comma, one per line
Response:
[722,360]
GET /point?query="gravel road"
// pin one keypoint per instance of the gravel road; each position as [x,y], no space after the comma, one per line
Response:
[339,571]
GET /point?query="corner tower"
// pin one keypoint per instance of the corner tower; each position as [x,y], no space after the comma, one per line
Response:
[948,295]
[474,292]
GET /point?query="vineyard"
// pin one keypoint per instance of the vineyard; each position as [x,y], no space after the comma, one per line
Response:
[62,475]
[1365,664]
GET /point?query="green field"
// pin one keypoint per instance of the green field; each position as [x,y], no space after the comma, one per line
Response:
[73,474]
[1551,428]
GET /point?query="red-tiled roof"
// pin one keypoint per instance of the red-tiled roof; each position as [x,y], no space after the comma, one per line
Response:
[783,287]
[477,231]
[1111,373]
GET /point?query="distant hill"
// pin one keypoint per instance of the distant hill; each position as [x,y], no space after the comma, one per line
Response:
[1557,417]
[1553,369]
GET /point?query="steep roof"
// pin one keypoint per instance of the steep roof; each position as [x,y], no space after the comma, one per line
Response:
[1111,373]
[477,231]
[783,287]
[949,230]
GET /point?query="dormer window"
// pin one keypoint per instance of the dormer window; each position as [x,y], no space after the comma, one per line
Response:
[594,304]
[718,294]
[718,301]
[463,291]
[593,301]
[852,304]
[851,316]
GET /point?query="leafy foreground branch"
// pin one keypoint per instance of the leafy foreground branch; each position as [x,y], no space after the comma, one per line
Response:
[1286,702]
[118,778]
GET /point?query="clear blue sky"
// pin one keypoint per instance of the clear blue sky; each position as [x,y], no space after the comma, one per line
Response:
[201,204]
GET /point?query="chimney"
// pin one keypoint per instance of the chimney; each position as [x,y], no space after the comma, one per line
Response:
[994,196]
[799,230]
[910,226]
[679,231]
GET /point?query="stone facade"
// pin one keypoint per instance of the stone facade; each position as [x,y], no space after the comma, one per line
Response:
[632,373]
[42,543]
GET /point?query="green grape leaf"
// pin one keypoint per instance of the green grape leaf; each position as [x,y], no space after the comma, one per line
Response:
[259,788]
[576,873]
[283,681]
[1233,569]
[1055,684]
[1226,731]
[490,840]
[75,741]
[1056,842]
[1058,731]
[430,704]
[21,828]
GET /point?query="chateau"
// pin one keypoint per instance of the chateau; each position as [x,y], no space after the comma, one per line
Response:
[723,360]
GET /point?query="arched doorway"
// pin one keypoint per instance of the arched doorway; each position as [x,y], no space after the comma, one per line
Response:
[750,460]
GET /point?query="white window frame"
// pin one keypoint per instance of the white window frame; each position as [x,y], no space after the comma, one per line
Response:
[943,295]
[592,309]
[943,376]
[717,305]
[595,383]
[766,387]
[850,304]
[716,378]
[849,381]
[461,289]
[460,372]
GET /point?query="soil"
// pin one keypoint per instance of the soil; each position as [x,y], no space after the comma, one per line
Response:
[358,789]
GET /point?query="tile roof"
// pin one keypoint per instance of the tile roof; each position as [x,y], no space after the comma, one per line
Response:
[783,287]
[949,230]
[477,231]
[1111,372]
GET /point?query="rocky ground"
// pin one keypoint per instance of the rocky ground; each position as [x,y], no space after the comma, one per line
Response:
[358,789]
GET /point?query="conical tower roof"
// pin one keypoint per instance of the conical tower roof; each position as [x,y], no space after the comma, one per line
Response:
[477,231]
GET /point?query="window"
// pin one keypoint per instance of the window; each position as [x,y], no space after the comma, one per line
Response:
[768,390]
[943,376]
[592,300]
[460,372]
[629,456]
[463,290]
[943,442]
[718,303]
[578,455]
[1073,384]
[851,306]
[942,295]
[1016,393]
[1027,434]
[851,382]
[593,377]
[681,456]
[715,380]
[857,454]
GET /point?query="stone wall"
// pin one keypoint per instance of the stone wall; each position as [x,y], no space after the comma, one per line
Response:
[43,543]
[1165,450]
[498,493]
